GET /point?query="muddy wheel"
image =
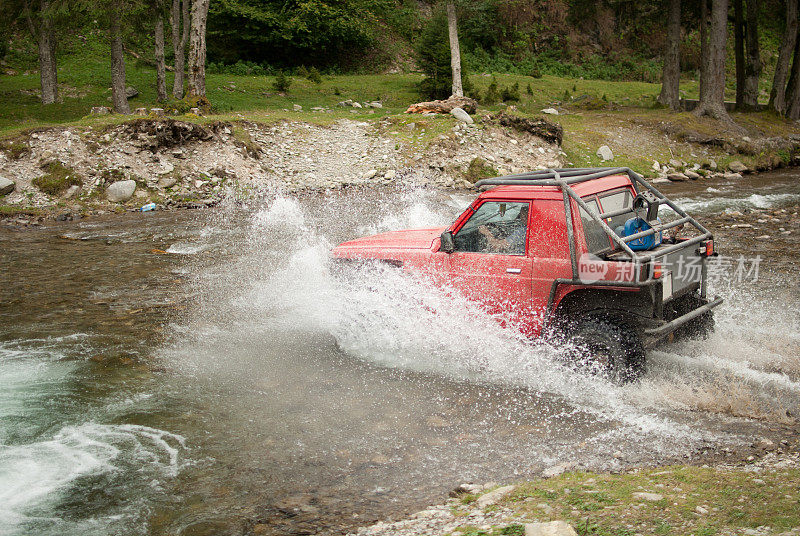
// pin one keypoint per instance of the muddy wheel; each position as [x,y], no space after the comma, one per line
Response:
[606,347]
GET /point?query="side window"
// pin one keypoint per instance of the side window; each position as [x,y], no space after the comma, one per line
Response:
[496,227]
[596,238]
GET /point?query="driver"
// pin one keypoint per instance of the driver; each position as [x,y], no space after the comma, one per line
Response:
[514,242]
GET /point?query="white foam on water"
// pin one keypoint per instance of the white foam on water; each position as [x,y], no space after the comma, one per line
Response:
[34,476]
[39,468]
[721,203]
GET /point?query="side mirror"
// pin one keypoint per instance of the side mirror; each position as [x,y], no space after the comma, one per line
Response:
[448,245]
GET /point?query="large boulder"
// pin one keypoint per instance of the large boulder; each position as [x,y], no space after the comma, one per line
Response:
[605,153]
[461,115]
[444,106]
[6,186]
[121,191]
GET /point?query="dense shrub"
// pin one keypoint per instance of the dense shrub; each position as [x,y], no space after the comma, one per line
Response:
[281,83]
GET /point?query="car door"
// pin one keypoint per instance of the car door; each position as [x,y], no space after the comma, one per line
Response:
[496,276]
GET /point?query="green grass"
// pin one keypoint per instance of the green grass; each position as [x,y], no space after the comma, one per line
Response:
[626,120]
[600,504]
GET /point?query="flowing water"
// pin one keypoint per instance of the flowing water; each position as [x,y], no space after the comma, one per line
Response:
[206,372]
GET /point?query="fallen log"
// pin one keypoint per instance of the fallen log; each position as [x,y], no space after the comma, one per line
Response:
[537,126]
[444,106]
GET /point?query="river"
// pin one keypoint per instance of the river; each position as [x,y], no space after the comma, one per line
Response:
[202,372]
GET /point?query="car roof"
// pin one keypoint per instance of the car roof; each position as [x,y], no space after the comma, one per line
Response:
[525,192]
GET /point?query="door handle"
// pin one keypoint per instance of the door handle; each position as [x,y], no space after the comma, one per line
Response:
[513,270]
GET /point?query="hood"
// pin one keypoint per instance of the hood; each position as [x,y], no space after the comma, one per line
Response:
[411,239]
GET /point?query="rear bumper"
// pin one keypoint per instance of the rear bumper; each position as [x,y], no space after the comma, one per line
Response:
[668,327]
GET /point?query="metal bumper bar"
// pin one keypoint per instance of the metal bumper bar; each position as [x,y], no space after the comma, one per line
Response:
[672,325]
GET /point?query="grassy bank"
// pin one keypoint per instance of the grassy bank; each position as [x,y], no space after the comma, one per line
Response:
[679,500]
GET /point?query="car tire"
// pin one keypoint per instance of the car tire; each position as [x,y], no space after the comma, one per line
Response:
[606,347]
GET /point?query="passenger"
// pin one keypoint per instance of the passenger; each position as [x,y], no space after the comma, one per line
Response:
[514,242]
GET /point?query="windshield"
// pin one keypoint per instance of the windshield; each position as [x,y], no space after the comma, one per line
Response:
[496,227]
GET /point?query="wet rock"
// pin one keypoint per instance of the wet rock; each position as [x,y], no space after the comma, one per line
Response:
[550,111]
[732,176]
[737,167]
[605,153]
[100,110]
[646,496]
[6,186]
[553,528]
[677,177]
[461,115]
[121,191]
[494,496]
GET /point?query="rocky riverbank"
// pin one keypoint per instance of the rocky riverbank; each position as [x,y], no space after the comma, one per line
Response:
[177,163]
[67,172]
[661,500]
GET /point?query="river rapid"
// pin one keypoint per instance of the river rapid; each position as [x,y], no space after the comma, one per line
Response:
[205,372]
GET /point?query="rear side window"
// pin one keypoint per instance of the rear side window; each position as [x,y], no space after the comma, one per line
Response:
[617,201]
[596,238]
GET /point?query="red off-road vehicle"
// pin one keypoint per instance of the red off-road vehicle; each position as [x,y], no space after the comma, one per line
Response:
[572,253]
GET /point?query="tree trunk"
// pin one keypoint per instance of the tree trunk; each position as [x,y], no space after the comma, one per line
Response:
[48,72]
[703,43]
[197,48]
[46,41]
[793,89]
[455,51]
[179,43]
[738,51]
[671,76]
[712,96]
[118,96]
[777,97]
[752,60]
[161,68]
